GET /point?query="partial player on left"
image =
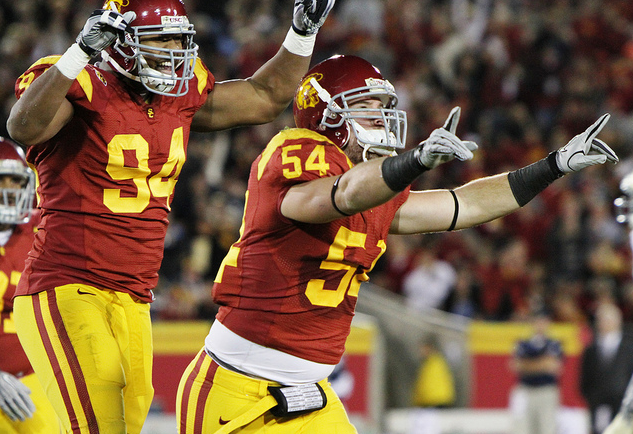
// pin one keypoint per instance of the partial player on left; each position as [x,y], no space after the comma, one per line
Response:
[24,407]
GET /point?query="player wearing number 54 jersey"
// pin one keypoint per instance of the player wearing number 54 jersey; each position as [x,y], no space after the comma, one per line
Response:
[321,200]
[108,139]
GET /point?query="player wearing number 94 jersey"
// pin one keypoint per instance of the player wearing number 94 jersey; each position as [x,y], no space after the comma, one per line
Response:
[108,138]
[321,200]
[117,157]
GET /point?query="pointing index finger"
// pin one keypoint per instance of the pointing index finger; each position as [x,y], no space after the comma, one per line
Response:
[594,129]
[453,119]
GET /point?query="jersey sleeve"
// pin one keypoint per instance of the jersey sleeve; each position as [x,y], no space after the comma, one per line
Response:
[205,80]
[33,72]
[295,156]
[82,89]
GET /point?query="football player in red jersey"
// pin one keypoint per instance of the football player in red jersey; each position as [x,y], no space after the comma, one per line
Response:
[24,408]
[321,200]
[108,142]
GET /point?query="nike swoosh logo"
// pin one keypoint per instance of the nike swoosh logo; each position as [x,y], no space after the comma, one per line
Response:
[223,422]
[79,291]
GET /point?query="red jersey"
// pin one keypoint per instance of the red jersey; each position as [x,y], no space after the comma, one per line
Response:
[106,182]
[293,286]
[12,256]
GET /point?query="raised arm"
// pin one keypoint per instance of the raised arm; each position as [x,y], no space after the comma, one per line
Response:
[262,97]
[43,109]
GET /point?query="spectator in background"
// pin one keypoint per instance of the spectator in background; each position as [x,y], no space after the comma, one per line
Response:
[537,362]
[397,262]
[569,240]
[430,280]
[606,367]
[505,283]
[434,384]
[464,299]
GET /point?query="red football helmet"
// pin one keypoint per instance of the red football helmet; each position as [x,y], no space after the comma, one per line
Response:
[154,18]
[322,104]
[15,203]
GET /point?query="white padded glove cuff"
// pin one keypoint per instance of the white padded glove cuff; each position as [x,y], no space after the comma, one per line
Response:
[72,62]
[299,45]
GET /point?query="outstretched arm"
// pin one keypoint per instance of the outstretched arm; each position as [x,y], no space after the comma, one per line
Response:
[495,196]
[374,182]
[262,97]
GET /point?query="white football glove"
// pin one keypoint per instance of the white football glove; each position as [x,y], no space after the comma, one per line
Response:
[585,150]
[101,30]
[619,425]
[309,15]
[15,401]
[443,145]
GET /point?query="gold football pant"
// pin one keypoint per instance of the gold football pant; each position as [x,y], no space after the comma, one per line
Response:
[92,351]
[209,397]
[44,420]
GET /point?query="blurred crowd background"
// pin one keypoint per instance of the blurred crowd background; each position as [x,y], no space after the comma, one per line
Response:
[528,74]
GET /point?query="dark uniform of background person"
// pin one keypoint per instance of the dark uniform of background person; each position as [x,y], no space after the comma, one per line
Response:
[537,362]
[607,365]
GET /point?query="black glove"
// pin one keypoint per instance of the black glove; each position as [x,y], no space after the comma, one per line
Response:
[101,30]
[309,15]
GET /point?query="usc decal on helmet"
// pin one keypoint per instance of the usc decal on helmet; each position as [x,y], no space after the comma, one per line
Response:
[307,95]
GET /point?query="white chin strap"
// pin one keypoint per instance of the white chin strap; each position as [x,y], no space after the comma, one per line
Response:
[154,79]
[371,140]
[108,59]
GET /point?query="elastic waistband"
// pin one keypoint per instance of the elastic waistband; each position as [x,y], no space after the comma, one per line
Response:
[244,384]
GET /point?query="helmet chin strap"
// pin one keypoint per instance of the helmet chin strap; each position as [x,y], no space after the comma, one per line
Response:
[155,80]
[106,58]
[367,139]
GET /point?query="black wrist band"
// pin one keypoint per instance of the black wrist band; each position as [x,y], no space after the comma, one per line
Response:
[530,180]
[456,213]
[401,170]
[334,188]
